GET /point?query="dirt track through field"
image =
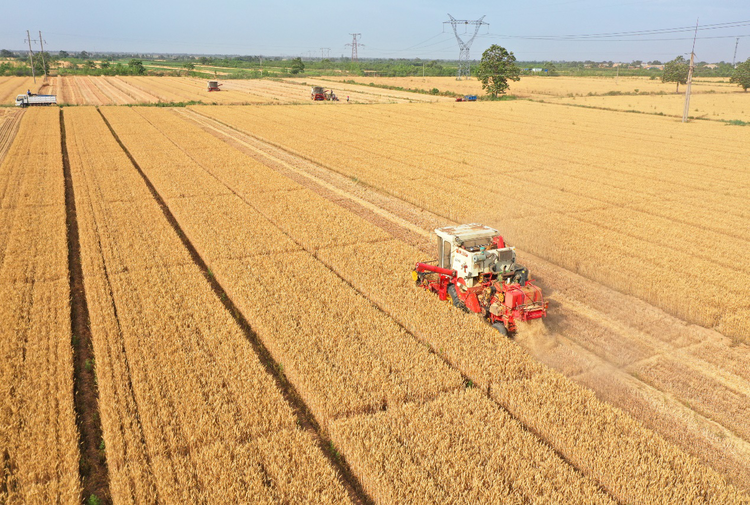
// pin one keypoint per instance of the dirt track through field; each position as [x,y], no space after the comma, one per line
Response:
[93,465]
[591,334]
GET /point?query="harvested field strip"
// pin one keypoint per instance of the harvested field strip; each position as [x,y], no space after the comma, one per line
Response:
[379,94]
[144,88]
[9,123]
[113,94]
[708,395]
[138,95]
[350,316]
[88,95]
[235,435]
[38,436]
[74,92]
[480,361]
[197,91]
[560,200]
[98,97]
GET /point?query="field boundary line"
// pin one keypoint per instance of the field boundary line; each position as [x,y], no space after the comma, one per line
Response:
[93,468]
[302,411]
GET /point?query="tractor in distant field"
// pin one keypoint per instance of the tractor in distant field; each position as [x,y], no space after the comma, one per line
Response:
[213,86]
[478,273]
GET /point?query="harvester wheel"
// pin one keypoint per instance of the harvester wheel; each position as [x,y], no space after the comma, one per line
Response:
[454,295]
[501,329]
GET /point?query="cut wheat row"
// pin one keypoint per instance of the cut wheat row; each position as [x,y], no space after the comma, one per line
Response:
[542,398]
[38,435]
[188,411]
[343,356]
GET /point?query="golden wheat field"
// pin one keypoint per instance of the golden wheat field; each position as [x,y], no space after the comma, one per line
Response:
[128,90]
[240,277]
[532,86]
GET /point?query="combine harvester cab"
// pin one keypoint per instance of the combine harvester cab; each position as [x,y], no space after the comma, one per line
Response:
[477,272]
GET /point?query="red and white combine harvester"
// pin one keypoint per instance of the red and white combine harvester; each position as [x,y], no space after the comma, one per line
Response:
[479,273]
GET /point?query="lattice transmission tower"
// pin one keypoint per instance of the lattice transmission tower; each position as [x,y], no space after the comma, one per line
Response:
[464,63]
[355,44]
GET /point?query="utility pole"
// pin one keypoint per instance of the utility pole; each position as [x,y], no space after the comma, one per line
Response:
[41,43]
[464,64]
[690,77]
[355,44]
[734,58]
[31,55]
[325,52]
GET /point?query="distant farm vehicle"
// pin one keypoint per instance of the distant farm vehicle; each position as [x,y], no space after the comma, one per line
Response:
[213,86]
[477,272]
[35,100]
[319,93]
[467,98]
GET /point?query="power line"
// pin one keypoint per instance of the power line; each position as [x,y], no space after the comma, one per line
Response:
[635,33]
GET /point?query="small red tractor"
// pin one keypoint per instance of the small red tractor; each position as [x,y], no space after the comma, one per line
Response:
[478,273]
[213,86]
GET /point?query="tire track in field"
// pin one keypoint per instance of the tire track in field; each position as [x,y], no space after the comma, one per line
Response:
[274,369]
[93,464]
[703,435]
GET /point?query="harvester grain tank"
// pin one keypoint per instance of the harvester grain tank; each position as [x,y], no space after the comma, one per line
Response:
[35,100]
[478,272]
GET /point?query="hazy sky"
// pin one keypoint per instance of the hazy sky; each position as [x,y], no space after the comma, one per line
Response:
[389,28]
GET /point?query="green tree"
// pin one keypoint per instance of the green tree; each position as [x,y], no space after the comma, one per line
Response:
[63,54]
[83,55]
[297,66]
[136,66]
[89,65]
[6,54]
[496,69]
[741,75]
[104,64]
[676,71]
[188,66]
[551,68]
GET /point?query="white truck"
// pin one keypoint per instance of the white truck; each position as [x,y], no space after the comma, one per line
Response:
[31,100]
